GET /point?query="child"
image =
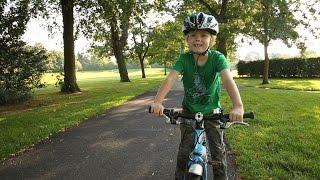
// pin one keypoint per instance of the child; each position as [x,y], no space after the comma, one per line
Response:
[202,69]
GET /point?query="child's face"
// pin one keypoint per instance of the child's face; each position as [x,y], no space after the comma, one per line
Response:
[199,41]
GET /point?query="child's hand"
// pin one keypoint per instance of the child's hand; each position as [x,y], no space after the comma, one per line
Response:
[157,109]
[236,114]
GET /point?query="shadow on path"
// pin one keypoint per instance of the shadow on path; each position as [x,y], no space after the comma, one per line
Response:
[125,142]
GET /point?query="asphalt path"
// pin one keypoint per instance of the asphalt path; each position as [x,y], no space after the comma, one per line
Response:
[123,143]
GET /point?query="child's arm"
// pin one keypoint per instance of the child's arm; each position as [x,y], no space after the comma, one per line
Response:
[236,114]
[156,106]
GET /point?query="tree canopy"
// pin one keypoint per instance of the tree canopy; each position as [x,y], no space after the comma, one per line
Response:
[167,42]
[21,66]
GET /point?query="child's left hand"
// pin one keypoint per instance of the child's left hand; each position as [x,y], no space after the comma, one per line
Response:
[236,114]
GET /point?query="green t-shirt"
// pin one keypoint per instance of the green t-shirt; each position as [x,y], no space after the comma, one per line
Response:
[201,83]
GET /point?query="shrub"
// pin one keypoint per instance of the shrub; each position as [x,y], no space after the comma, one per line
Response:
[21,69]
[20,66]
[278,68]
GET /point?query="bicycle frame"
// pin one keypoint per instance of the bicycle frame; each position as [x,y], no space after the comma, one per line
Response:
[197,163]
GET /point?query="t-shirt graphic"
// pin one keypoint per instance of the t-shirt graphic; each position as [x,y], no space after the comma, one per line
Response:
[198,93]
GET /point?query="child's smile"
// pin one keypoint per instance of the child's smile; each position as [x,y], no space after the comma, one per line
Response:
[197,45]
[199,41]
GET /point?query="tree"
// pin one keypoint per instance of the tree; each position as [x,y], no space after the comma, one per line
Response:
[70,80]
[109,24]
[140,32]
[141,46]
[21,66]
[49,9]
[307,13]
[167,42]
[271,20]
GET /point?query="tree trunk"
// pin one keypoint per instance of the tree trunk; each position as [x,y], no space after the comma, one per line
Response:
[70,80]
[121,65]
[222,44]
[142,67]
[266,65]
[118,44]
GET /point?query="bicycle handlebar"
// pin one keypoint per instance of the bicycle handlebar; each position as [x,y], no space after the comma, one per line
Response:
[175,114]
[172,113]
[224,118]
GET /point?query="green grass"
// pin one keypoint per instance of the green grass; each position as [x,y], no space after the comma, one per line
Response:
[283,140]
[281,143]
[289,84]
[50,111]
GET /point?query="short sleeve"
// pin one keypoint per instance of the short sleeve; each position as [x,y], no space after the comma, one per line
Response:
[222,63]
[178,66]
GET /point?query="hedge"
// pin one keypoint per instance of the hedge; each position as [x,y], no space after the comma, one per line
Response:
[279,68]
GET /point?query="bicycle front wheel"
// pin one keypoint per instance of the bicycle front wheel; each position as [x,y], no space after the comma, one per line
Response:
[191,176]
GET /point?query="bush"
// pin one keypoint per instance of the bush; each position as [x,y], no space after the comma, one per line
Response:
[21,69]
[20,66]
[278,68]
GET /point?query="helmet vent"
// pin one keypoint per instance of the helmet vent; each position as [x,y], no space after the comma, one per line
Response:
[200,21]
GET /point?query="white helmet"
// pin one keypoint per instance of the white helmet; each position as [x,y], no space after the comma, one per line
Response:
[200,21]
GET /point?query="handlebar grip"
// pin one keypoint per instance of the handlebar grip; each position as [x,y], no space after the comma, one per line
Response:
[165,111]
[249,115]
[168,112]
[246,115]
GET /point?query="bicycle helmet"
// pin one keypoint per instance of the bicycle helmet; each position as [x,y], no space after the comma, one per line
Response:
[200,21]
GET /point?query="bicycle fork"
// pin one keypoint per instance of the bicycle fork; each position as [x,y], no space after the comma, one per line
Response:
[197,164]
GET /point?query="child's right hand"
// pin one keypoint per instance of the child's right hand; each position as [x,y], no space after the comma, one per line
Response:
[157,109]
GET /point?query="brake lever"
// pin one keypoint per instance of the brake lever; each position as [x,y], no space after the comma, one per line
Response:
[168,120]
[229,124]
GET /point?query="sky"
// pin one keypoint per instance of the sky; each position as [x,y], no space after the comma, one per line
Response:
[276,47]
[37,33]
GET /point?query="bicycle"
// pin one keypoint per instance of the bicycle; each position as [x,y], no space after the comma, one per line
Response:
[197,165]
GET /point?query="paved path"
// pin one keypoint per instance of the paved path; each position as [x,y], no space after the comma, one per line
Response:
[123,143]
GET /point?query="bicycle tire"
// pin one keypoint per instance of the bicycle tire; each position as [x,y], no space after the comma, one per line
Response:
[191,176]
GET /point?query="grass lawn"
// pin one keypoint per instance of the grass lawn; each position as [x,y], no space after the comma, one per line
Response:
[289,84]
[49,111]
[281,143]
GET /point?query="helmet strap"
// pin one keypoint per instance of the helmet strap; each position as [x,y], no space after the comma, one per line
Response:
[203,53]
